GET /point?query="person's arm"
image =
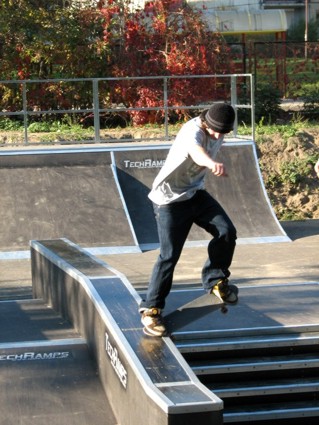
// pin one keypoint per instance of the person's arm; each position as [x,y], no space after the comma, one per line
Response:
[317,168]
[200,156]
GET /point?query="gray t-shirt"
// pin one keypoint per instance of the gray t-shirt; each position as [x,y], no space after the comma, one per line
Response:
[180,177]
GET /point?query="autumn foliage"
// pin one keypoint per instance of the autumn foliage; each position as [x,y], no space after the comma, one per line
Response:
[40,39]
[165,38]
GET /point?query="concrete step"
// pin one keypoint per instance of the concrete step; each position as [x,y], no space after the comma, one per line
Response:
[32,321]
[302,413]
[261,358]
[252,365]
[226,390]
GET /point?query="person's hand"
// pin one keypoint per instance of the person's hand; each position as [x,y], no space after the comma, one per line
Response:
[317,168]
[218,169]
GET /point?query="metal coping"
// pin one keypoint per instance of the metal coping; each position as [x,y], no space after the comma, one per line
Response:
[112,148]
[118,250]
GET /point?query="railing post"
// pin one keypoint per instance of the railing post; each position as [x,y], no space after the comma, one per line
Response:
[233,97]
[96,110]
[252,105]
[25,112]
[166,106]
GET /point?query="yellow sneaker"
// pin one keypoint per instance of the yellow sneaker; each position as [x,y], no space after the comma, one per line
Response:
[225,292]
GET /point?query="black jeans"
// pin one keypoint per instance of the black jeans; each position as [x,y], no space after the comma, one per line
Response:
[174,222]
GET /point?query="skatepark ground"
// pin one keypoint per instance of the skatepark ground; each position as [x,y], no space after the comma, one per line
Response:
[265,263]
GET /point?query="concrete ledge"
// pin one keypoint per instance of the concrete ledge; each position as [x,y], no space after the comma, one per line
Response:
[145,379]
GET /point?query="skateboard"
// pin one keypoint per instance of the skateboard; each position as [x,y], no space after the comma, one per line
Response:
[212,299]
[207,302]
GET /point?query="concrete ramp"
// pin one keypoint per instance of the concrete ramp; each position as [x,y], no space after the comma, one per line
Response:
[244,197]
[242,194]
[97,197]
[53,193]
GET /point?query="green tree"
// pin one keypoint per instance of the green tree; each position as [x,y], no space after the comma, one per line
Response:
[297,31]
[44,40]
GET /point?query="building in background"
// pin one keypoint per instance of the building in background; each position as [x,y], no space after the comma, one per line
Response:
[252,16]
[238,17]
[296,10]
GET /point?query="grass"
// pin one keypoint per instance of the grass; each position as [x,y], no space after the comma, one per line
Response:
[12,132]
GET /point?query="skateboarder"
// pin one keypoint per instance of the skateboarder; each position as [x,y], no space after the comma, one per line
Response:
[317,168]
[180,199]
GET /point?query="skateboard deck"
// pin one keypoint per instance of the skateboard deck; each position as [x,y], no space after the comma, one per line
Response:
[204,304]
[205,300]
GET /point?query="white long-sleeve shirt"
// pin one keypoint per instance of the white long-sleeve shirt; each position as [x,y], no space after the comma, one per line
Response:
[180,177]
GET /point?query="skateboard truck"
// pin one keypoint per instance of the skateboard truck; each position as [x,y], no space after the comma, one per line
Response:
[223,307]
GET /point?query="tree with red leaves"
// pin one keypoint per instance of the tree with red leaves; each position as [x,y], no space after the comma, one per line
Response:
[165,38]
[43,40]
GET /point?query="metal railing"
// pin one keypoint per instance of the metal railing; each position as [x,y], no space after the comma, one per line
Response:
[234,82]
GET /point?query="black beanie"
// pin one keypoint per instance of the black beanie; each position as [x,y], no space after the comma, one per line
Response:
[220,117]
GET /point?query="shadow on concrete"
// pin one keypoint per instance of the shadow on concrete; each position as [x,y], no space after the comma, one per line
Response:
[301,229]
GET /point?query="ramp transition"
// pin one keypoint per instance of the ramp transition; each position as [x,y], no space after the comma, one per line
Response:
[98,197]
[242,194]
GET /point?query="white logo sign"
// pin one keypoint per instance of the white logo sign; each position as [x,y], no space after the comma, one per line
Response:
[146,163]
[34,356]
[115,361]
